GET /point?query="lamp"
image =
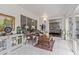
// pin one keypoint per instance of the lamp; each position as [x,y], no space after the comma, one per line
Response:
[33,27]
[45,18]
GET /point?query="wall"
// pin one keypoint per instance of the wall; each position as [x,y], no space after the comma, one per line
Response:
[16,11]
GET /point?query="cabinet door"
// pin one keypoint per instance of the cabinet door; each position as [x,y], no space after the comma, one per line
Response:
[19,39]
[13,41]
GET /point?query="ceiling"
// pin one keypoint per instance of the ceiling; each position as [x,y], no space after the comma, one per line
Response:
[50,10]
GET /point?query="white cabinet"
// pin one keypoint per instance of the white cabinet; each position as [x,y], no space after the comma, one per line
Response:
[10,42]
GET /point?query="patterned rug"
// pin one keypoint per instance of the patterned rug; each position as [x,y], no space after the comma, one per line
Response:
[48,47]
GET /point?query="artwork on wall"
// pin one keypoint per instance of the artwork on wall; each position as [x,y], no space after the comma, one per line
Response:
[16,40]
[6,21]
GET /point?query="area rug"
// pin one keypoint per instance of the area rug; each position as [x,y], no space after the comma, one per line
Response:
[48,47]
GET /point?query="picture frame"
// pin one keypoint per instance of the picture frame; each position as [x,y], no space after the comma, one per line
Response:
[6,21]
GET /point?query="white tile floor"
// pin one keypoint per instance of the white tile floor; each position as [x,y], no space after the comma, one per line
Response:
[60,48]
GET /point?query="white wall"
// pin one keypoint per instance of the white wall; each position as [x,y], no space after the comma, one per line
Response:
[16,11]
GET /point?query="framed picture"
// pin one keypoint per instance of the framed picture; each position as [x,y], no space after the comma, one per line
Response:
[6,21]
